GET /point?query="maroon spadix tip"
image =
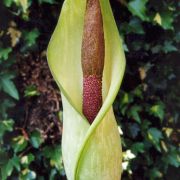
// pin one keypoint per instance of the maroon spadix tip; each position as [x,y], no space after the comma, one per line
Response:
[92,96]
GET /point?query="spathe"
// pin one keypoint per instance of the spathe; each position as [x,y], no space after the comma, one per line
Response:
[89,151]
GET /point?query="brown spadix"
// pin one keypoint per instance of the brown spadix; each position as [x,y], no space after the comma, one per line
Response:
[92,59]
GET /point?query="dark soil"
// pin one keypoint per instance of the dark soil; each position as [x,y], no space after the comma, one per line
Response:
[41,111]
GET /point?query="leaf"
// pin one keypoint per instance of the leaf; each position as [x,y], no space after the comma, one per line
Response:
[134,113]
[4,106]
[6,125]
[6,170]
[168,131]
[8,86]
[145,125]
[136,26]
[8,3]
[138,8]
[15,35]
[24,4]
[47,1]
[3,157]
[169,47]
[36,139]
[55,155]
[158,111]
[83,143]
[31,37]
[155,173]
[167,20]
[177,37]
[134,129]
[172,158]
[16,162]
[31,91]
[125,99]
[158,19]
[156,49]
[138,147]
[27,159]
[52,174]
[137,92]
[28,174]
[154,136]
[4,53]
[19,143]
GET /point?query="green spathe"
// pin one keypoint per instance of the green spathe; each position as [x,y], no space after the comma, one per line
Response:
[89,151]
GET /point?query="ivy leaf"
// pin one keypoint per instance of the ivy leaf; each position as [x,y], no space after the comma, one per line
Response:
[8,86]
[6,170]
[4,106]
[16,162]
[28,174]
[169,47]
[3,157]
[31,37]
[8,3]
[31,91]
[137,147]
[137,92]
[134,113]
[138,8]
[157,19]
[158,111]
[36,139]
[47,1]
[156,49]
[155,173]
[19,143]
[125,99]
[6,125]
[27,159]
[172,157]
[4,53]
[55,156]
[134,129]
[52,174]
[145,125]
[154,136]
[177,37]
[135,26]
[167,20]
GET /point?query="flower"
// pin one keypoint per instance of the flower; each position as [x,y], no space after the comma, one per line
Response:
[90,151]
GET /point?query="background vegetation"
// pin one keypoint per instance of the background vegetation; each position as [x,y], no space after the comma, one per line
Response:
[146,108]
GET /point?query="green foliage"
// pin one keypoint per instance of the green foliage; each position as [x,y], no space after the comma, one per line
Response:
[4,53]
[6,125]
[47,1]
[31,91]
[8,86]
[36,139]
[147,107]
[138,8]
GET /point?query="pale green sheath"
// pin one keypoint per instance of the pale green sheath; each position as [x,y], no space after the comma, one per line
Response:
[90,152]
